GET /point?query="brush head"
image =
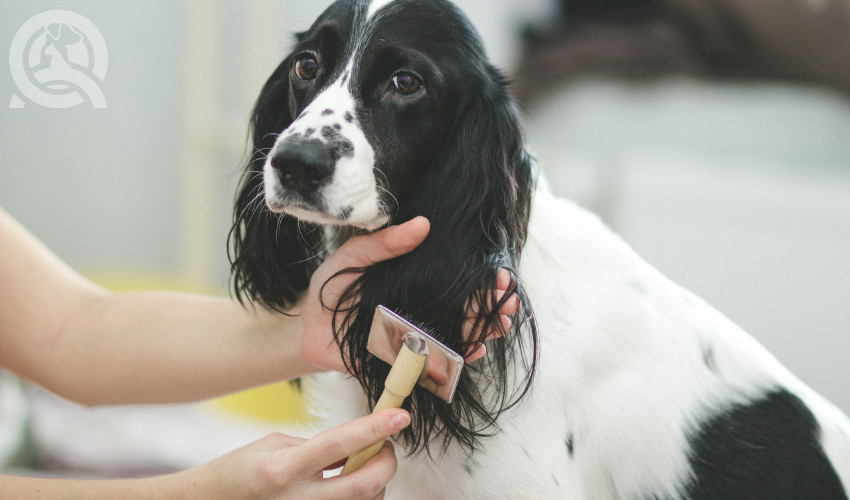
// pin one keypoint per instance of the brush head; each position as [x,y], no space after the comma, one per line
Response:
[442,367]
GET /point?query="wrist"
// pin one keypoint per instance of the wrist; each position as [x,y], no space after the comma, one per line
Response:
[285,334]
[308,360]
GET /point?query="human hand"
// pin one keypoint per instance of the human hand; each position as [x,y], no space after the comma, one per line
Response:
[508,309]
[318,345]
[281,466]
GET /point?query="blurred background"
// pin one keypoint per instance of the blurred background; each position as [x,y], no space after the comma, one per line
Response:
[714,137]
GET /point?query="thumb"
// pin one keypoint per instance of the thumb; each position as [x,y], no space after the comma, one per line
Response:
[365,250]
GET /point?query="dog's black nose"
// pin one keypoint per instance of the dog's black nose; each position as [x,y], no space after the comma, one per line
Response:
[303,166]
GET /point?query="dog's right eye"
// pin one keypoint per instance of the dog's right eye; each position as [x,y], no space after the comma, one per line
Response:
[306,67]
[405,83]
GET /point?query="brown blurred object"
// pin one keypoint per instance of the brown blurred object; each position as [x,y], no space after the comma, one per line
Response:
[803,40]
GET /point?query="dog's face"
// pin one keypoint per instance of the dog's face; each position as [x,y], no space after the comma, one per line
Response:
[370,96]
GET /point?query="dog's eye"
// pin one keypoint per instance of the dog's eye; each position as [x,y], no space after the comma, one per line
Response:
[306,67]
[405,84]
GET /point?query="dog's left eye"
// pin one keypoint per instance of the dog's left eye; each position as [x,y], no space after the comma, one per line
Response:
[405,84]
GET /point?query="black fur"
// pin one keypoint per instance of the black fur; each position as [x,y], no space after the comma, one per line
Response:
[454,155]
[769,449]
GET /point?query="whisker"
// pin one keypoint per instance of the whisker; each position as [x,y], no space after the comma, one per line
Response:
[383,207]
[255,205]
[277,229]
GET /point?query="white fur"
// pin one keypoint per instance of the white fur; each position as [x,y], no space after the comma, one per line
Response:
[377,5]
[353,184]
[621,371]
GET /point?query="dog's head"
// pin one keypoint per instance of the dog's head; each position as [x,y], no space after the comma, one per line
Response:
[383,111]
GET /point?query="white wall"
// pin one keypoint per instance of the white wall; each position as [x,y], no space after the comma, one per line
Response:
[147,184]
[96,184]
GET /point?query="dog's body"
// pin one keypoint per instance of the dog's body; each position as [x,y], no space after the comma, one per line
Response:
[641,390]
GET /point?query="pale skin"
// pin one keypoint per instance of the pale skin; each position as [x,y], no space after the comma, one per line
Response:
[99,348]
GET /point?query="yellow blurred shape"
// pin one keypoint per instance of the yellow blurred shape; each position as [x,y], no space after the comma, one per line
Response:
[281,402]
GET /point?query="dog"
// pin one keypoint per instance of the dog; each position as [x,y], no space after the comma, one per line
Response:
[612,383]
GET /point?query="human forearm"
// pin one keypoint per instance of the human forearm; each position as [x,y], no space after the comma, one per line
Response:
[129,489]
[98,347]
[147,347]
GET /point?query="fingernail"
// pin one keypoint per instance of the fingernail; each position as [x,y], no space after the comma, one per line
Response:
[399,421]
[506,323]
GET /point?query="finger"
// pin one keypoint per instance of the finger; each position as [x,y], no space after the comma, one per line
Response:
[503,279]
[503,329]
[510,306]
[494,331]
[340,442]
[503,282]
[475,353]
[368,249]
[367,482]
[479,350]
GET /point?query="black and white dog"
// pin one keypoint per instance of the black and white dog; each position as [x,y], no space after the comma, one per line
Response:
[613,383]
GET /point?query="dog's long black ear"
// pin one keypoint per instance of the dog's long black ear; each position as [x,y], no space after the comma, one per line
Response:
[477,195]
[271,255]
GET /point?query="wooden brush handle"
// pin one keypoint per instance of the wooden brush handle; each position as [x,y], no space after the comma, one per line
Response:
[403,376]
